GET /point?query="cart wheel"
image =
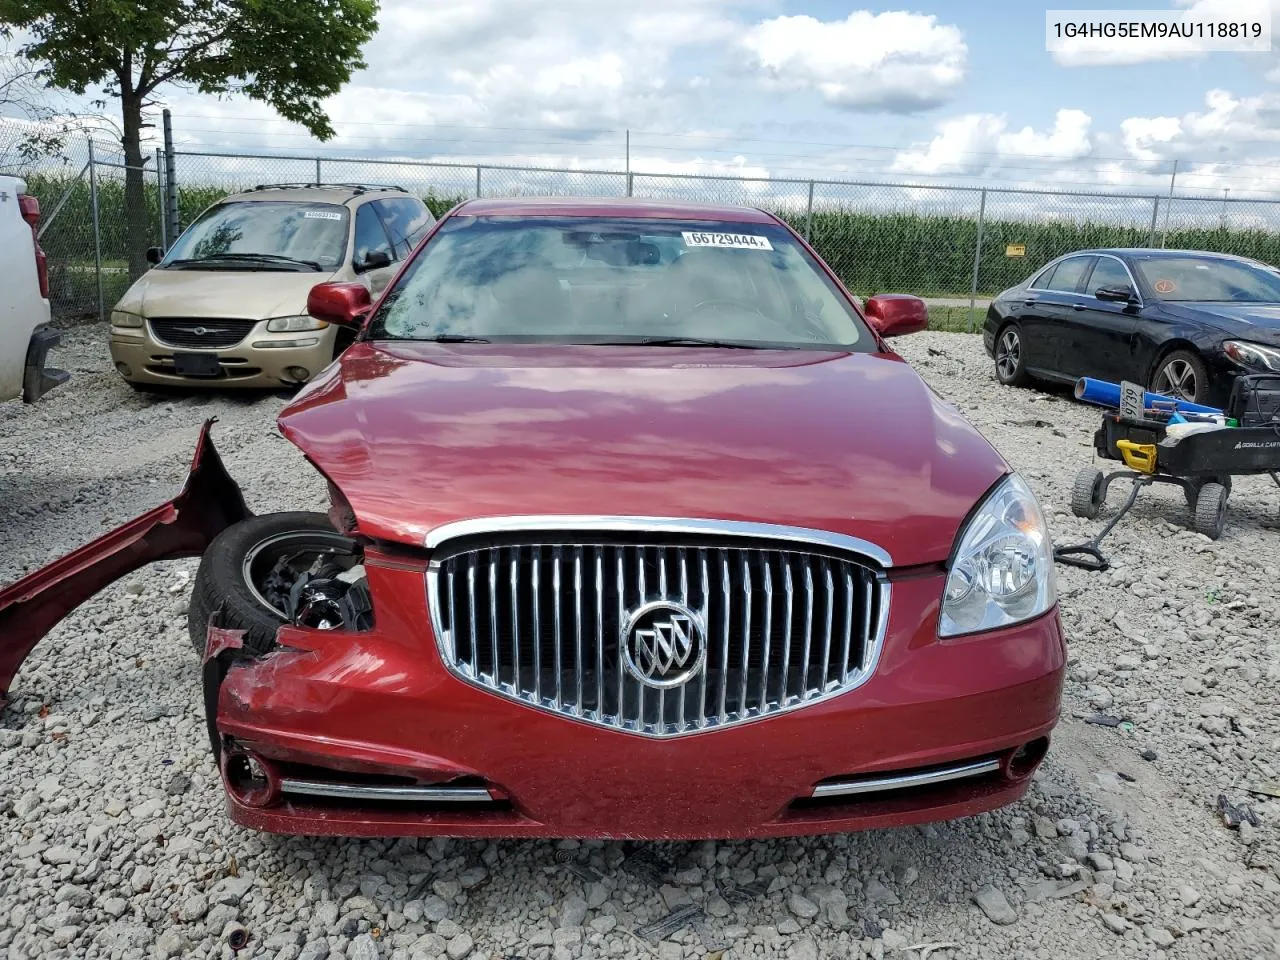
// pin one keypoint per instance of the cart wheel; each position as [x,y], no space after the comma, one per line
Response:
[1211,510]
[1086,493]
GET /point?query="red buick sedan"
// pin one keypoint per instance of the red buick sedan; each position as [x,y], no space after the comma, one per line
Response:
[638,529]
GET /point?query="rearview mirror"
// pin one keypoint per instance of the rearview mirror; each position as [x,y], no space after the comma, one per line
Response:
[1116,294]
[346,304]
[897,314]
[155,255]
[373,260]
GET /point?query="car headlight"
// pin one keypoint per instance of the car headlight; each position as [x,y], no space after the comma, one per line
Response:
[294,324]
[1002,572]
[1253,355]
[121,319]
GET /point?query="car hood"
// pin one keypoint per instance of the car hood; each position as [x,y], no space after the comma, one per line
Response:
[246,294]
[1251,321]
[417,435]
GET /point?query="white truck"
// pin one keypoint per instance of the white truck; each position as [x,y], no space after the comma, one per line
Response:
[25,336]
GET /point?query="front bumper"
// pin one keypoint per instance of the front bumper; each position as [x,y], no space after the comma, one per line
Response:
[380,708]
[150,361]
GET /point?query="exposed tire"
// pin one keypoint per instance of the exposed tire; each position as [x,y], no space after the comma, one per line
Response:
[1011,366]
[1181,375]
[237,558]
[1211,510]
[1086,493]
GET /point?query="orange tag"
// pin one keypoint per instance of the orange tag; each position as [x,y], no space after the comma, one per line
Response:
[1165,286]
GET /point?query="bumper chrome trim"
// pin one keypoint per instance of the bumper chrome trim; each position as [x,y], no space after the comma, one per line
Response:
[351,791]
[843,788]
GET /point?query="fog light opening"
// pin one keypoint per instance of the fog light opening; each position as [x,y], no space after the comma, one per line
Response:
[124,370]
[1025,759]
[250,779]
[297,374]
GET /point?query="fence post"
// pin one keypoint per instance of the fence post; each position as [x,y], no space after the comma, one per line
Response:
[1168,207]
[1155,217]
[171,179]
[97,235]
[808,216]
[631,184]
[318,180]
[478,169]
[164,242]
[977,255]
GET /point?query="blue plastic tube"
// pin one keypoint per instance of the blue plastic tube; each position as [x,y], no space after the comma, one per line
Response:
[1105,394]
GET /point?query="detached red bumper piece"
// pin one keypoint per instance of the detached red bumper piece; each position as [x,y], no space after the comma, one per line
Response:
[208,503]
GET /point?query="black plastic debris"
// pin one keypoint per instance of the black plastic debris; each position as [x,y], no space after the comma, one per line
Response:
[1103,720]
[583,872]
[1235,814]
[645,867]
[1126,777]
[674,921]
[1148,755]
[737,896]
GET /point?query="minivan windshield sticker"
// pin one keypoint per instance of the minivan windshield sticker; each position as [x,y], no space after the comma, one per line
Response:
[321,215]
[735,241]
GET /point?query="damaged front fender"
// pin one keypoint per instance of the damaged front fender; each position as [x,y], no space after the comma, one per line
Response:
[209,502]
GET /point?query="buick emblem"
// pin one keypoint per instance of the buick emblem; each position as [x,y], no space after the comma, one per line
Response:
[664,644]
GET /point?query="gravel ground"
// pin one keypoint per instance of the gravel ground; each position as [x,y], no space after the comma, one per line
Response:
[113,842]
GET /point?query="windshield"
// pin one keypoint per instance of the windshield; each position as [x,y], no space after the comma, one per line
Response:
[1195,279]
[310,234]
[580,280]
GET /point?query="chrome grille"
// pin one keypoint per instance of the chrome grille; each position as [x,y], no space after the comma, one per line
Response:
[202,333]
[542,622]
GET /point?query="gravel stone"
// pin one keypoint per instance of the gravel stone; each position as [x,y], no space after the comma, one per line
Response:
[460,946]
[993,903]
[363,947]
[802,907]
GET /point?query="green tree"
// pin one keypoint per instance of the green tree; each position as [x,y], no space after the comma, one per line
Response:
[291,54]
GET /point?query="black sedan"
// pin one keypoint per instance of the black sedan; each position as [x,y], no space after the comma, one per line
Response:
[1182,322]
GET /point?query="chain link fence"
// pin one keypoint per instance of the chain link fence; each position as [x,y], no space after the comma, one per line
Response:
[83,231]
[956,246]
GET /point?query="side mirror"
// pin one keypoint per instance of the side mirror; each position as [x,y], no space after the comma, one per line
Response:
[155,255]
[897,314]
[1116,294]
[345,304]
[373,260]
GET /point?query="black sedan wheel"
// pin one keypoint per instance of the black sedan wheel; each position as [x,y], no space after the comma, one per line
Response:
[1183,376]
[1011,370]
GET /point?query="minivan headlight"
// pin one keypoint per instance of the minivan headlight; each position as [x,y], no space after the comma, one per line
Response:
[294,324]
[121,319]
[1253,355]
[1002,572]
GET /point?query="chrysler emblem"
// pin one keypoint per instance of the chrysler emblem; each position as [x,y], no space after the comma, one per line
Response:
[202,331]
[664,644]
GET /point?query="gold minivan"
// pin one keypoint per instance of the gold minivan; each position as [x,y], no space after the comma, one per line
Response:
[226,306]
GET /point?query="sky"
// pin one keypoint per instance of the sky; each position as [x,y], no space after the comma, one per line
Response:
[930,91]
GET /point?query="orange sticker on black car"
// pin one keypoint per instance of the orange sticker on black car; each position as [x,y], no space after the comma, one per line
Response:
[1165,286]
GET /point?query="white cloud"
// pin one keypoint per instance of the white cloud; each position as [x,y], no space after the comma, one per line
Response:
[1227,126]
[979,141]
[893,61]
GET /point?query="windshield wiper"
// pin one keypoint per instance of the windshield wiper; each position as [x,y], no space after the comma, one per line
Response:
[246,257]
[686,342]
[456,338]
